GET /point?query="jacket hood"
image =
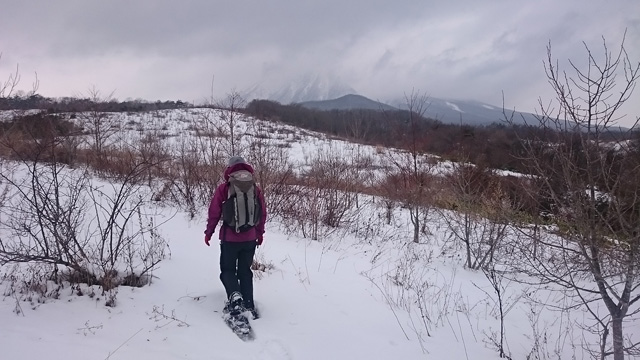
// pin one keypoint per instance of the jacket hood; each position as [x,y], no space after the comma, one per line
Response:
[233,168]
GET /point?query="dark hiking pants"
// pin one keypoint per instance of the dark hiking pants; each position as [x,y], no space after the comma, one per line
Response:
[235,268]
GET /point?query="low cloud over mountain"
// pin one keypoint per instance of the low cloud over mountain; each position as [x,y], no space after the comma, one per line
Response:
[327,93]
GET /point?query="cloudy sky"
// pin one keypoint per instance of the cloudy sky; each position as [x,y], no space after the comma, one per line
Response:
[170,50]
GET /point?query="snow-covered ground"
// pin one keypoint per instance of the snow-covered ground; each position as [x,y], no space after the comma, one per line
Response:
[6,115]
[320,301]
[314,305]
[350,295]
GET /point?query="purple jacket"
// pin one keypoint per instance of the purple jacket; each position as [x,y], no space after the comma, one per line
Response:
[215,211]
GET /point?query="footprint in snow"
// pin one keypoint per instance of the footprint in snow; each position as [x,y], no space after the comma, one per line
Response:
[273,350]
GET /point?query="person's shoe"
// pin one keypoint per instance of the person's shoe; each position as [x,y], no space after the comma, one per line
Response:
[234,304]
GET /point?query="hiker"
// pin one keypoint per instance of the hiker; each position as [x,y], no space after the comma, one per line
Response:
[239,203]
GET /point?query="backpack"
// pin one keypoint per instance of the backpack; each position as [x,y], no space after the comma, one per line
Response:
[242,210]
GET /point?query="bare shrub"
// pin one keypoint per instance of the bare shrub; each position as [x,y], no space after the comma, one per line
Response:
[322,203]
[100,125]
[31,283]
[476,213]
[198,163]
[160,316]
[192,177]
[261,266]
[152,150]
[64,218]
[39,137]
[503,303]
[43,215]
[273,170]
[125,234]
[411,285]
[412,189]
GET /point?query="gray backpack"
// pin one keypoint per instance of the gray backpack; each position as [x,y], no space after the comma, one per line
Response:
[242,209]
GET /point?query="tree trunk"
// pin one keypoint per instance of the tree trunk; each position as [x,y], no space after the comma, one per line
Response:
[618,340]
[467,239]
[415,219]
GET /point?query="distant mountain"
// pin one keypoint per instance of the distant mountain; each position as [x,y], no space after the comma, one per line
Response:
[327,92]
[469,112]
[309,87]
[447,111]
[347,102]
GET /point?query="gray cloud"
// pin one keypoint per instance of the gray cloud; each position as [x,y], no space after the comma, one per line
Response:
[159,49]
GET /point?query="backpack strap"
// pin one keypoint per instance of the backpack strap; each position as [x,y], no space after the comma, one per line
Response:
[251,206]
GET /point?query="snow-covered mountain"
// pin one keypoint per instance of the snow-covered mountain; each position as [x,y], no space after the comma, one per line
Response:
[448,111]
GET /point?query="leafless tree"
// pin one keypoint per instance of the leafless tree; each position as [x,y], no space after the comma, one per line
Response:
[230,114]
[413,169]
[359,126]
[593,181]
[211,149]
[9,86]
[100,124]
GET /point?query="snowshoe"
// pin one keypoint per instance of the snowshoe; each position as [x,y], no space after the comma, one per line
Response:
[234,318]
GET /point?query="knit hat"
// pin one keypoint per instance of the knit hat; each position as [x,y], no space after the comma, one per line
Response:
[236,160]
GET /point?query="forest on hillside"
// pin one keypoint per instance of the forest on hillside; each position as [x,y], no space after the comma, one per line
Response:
[497,146]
